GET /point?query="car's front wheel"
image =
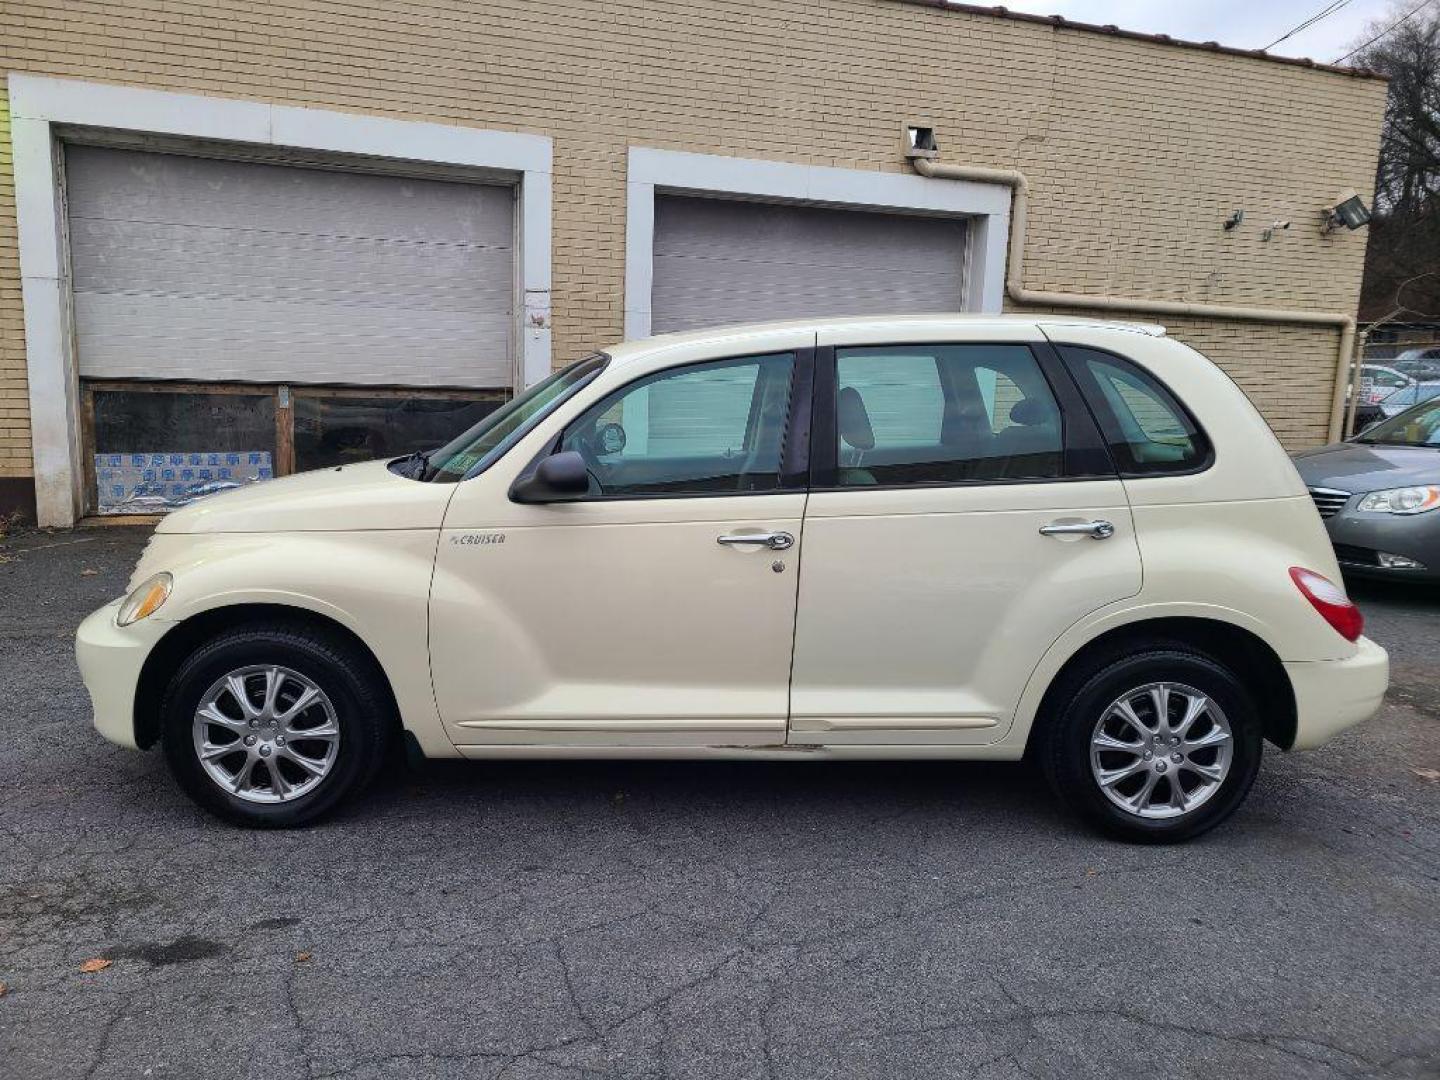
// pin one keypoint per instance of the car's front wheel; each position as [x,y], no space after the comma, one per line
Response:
[1157,745]
[272,726]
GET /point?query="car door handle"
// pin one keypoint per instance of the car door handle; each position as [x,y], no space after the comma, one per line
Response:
[1098,529]
[776,541]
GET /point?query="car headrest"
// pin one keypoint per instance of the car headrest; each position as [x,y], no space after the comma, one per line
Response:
[1031,411]
[854,421]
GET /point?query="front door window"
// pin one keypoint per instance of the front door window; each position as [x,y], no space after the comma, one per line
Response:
[706,429]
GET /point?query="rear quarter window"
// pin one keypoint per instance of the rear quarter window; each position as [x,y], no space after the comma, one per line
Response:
[1149,432]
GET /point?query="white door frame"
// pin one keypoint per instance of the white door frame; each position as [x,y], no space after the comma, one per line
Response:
[37,104]
[986,206]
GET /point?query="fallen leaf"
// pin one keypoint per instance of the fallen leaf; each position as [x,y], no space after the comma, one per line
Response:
[1433,775]
[4,989]
[88,572]
[89,967]
[302,957]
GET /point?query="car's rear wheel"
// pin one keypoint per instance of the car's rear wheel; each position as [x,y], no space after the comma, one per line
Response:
[1158,745]
[273,726]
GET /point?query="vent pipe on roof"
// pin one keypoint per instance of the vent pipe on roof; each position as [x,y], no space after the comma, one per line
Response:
[1015,288]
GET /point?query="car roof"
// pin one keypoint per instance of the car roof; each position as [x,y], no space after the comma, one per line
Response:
[963,326]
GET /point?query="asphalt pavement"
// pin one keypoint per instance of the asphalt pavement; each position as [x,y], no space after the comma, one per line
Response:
[700,920]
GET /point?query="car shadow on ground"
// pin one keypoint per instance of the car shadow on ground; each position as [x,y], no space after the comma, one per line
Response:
[858,790]
[1392,591]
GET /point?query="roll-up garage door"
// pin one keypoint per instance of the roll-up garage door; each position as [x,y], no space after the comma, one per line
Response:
[720,261]
[216,270]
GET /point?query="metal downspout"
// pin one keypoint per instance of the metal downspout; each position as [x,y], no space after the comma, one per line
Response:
[1015,285]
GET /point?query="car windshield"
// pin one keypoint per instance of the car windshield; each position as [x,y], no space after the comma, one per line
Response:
[474,450]
[1419,426]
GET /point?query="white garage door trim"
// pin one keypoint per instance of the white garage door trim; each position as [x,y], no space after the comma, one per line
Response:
[987,206]
[37,104]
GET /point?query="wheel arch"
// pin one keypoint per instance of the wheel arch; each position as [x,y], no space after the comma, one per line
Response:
[1244,652]
[184,637]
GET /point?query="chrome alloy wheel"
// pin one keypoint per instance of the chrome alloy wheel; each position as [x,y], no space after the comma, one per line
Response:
[1161,750]
[266,734]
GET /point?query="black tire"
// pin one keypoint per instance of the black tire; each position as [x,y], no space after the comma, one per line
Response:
[1077,705]
[348,678]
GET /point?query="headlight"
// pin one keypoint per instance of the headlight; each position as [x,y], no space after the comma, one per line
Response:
[1406,500]
[145,600]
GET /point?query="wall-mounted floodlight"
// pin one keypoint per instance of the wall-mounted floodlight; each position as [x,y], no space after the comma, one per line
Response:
[1233,221]
[1349,210]
[1275,227]
[920,143]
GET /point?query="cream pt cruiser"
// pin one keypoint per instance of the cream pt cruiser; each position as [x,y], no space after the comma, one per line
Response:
[899,538]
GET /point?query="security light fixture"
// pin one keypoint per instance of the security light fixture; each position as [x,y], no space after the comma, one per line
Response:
[920,143]
[1275,227]
[1348,210]
[1234,220]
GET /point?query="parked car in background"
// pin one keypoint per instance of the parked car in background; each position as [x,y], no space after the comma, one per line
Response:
[1422,365]
[1379,494]
[1405,397]
[610,565]
[1376,383]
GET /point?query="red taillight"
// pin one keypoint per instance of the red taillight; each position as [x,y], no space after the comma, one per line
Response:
[1330,601]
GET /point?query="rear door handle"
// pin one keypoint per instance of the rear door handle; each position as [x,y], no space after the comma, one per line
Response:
[1098,529]
[776,541]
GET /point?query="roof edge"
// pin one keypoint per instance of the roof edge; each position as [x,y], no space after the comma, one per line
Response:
[1059,22]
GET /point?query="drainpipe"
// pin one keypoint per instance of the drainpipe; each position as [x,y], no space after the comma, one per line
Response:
[1015,285]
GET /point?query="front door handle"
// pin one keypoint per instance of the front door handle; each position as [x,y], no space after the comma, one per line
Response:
[776,541]
[1097,529]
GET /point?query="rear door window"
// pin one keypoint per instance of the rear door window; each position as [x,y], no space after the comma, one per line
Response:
[944,414]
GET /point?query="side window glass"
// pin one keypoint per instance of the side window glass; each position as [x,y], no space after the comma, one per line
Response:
[1000,394]
[901,395]
[938,414]
[1148,431]
[698,430]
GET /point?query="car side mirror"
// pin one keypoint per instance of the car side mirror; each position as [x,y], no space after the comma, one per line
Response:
[558,478]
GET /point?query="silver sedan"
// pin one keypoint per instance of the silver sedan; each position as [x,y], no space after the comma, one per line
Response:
[1379,494]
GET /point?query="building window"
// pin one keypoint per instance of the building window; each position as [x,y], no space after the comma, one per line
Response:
[335,427]
[153,447]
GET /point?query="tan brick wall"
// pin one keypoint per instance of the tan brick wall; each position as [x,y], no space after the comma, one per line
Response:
[14,405]
[1135,151]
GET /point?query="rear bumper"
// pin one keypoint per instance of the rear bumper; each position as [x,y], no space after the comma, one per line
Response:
[110,659]
[1332,695]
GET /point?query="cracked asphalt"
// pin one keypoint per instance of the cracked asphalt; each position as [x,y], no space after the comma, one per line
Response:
[690,921]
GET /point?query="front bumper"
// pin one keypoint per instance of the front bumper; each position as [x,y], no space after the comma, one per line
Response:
[111,658]
[1332,695]
[1359,538]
